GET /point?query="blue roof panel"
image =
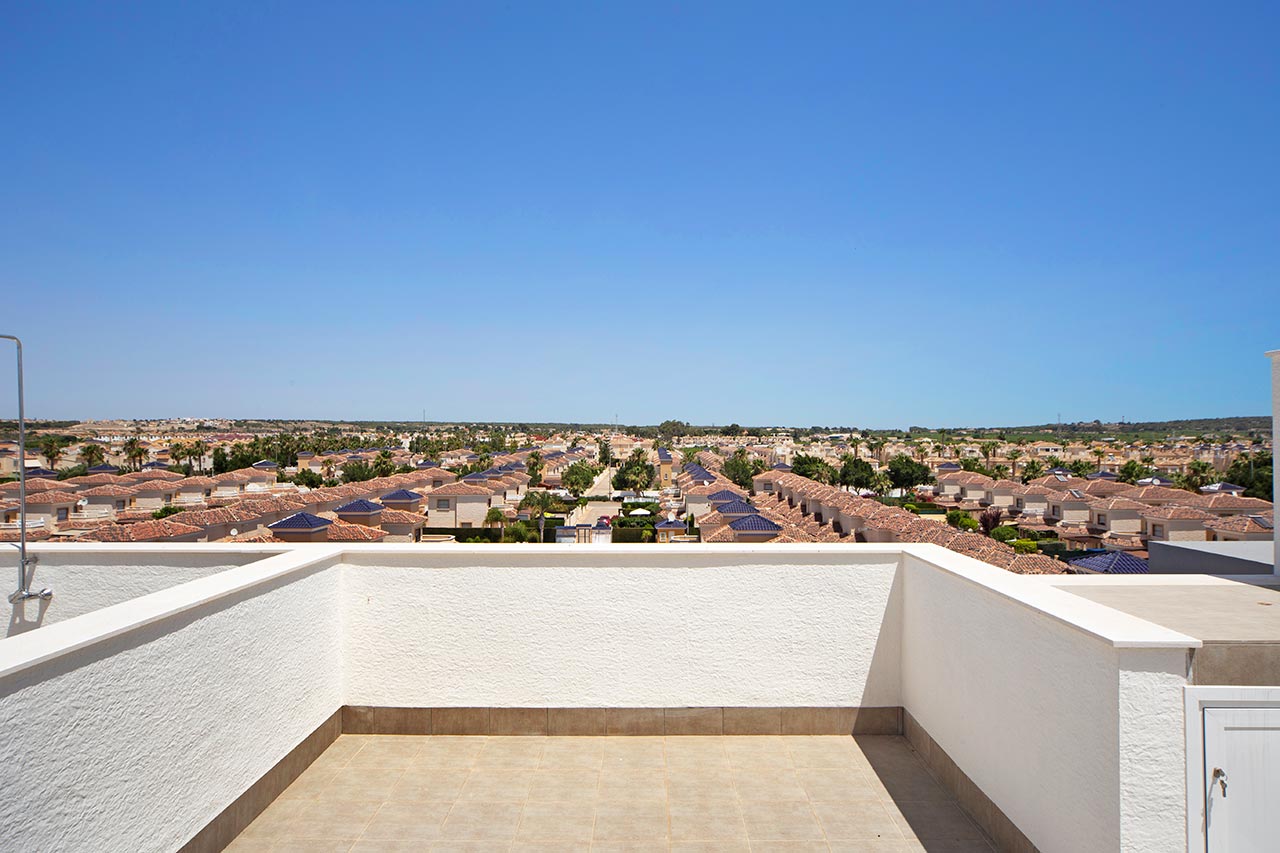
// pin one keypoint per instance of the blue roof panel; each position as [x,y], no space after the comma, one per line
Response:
[754,523]
[1113,563]
[300,521]
[360,507]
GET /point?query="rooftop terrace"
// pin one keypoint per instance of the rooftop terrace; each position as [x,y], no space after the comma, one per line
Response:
[188,697]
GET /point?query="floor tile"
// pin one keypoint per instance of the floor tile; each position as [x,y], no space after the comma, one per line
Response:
[482,821]
[630,821]
[784,821]
[861,819]
[557,821]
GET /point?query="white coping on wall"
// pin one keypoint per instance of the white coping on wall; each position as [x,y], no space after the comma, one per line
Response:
[29,649]
[23,651]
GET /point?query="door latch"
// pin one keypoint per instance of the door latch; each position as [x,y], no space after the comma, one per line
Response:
[1219,777]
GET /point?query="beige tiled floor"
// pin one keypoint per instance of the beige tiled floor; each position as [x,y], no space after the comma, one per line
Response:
[388,793]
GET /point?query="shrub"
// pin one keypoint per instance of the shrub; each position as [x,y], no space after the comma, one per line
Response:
[1004,533]
[968,523]
[166,511]
[1024,546]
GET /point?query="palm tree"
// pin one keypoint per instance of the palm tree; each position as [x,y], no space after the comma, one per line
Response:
[92,454]
[495,516]
[134,452]
[1013,456]
[876,446]
[51,448]
[177,452]
[538,503]
[1099,455]
[854,443]
[196,451]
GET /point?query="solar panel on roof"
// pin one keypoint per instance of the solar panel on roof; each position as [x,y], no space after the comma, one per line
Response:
[1263,522]
[754,522]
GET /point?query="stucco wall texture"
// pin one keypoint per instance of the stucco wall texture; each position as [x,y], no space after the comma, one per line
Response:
[136,741]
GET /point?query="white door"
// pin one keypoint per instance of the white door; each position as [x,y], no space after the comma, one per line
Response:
[1242,779]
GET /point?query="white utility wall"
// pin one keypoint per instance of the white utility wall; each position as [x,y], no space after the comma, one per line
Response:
[135,743]
[1074,739]
[596,629]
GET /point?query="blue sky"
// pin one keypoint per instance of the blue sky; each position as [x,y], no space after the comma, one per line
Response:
[763,213]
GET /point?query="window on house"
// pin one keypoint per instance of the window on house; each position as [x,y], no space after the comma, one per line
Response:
[63,513]
[1157,530]
[1102,520]
[442,503]
[465,524]
[119,504]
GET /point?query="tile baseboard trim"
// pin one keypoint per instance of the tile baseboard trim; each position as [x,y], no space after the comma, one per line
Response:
[232,820]
[990,819]
[713,720]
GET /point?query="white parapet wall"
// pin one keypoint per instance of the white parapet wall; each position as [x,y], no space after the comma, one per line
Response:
[85,578]
[131,727]
[1065,715]
[622,626]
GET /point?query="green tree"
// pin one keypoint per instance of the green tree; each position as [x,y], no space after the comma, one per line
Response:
[1198,473]
[1032,470]
[166,511]
[198,450]
[51,449]
[731,430]
[856,473]
[357,471]
[308,478]
[134,452]
[813,467]
[670,430]
[92,454]
[533,467]
[578,477]
[636,474]
[1013,456]
[222,462]
[606,453]
[1252,471]
[1080,468]
[1132,471]
[905,473]
[1004,533]
[538,503]
[742,466]
[495,516]
[383,465]
[880,483]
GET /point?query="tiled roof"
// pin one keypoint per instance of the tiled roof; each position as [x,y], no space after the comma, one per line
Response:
[1263,523]
[1173,511]
[300,521]
[737,507]
[460,488]
[400,516]
[142,531]
[360,507]
[402,495]
[110,491]
[53,496]
[754,523]
[152,474]
[1113,563]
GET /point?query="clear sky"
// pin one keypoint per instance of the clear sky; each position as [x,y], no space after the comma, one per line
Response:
[763,213]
